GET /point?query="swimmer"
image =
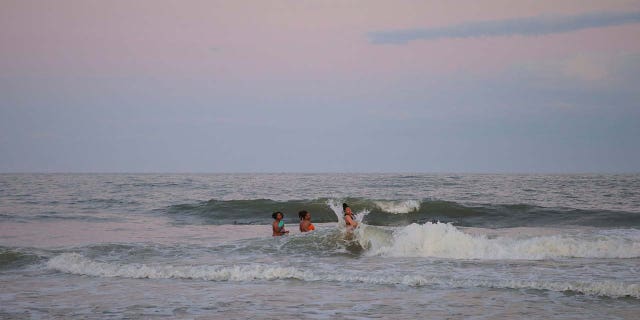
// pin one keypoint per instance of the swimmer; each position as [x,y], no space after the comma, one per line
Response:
[348,217]
[305,221]
[278,225]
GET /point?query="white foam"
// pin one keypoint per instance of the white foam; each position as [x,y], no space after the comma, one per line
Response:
[74,263]
[446,241]
[77,264]
[336,207]
[397,207]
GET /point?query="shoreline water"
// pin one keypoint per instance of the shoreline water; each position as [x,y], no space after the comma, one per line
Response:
[121,246]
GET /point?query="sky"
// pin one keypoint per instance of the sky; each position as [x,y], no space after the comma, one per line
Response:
[495,86]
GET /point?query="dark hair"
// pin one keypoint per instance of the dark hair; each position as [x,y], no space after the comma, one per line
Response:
[275,214]
[302,214]
[344,206]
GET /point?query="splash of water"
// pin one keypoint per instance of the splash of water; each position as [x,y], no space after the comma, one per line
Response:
[336,207]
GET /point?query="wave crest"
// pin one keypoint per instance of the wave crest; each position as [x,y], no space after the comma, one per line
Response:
[397,207]
[398,213]
[443,240]
[77,264]
[74,263]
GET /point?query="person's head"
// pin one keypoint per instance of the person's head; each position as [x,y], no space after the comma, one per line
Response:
[346,209]
[304,215]
[277,215]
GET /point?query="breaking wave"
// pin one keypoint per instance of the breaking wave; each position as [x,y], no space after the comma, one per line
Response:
[441,240]
[399,213]
[397,207]
[74,263]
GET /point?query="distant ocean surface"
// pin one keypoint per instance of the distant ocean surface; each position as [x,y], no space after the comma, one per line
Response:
[429,246]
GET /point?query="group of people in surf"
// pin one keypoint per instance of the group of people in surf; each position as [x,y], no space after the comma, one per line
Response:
[305,221]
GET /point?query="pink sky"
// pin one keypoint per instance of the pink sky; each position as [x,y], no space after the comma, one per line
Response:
[287,40]
[165,86]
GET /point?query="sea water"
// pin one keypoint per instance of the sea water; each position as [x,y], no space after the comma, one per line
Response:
[428,246]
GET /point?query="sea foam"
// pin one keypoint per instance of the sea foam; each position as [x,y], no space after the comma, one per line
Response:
[443,240]
[74,263]
[396,207]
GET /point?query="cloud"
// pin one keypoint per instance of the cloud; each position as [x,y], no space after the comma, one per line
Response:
[532,26]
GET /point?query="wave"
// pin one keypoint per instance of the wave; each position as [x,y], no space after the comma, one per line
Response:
[443,240]
[396,207]
[77,264]
[11,259]
[400,213]
[74,263]
[248,211]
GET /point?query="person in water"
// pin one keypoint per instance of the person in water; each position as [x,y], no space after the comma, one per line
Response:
[278,224]
[305,221]
[348,217]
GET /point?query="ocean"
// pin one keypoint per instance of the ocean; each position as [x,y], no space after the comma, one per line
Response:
[430,246]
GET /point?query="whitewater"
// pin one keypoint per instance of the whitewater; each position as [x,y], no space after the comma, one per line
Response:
[428,246]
